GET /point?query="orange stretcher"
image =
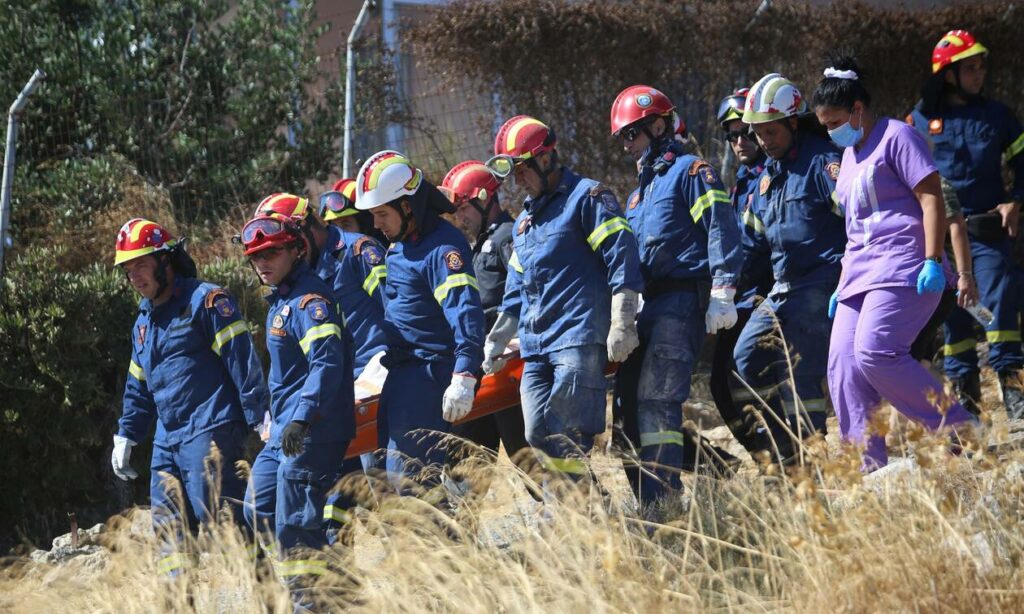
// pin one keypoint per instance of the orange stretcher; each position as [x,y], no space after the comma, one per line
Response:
[497,392]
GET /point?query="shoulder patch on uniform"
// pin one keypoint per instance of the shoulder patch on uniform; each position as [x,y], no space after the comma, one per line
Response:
[832,168]
[308,298]
[635,200]
[453,260]
[213,295]
[708,175]
[763,186]
[316,307]
[935,126]
[225,306]
[371,251]
[695,167]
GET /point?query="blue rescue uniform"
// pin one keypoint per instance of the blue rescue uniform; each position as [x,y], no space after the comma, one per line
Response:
[572,249]
[803,227]
[435,327]
[689,241]
[310,380]
[970,143]
[194,372]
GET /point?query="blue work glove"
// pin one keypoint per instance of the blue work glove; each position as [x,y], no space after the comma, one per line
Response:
[931,278]
[832,302]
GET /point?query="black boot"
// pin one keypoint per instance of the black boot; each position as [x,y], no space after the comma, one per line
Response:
[1013,396]
[968,391]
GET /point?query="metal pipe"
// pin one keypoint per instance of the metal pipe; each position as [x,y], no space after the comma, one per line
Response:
[12,140]
[350,84]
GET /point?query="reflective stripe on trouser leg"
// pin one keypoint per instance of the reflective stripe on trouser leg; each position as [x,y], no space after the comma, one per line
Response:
[673,329]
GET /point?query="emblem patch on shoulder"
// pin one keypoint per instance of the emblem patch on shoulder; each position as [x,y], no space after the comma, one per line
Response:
[763,186]
[278,322]
[373,255]
[935,126]
[832,168]
[635,200]
[453,260]
[610,204]
[708,174]
[317,309]
[224,306]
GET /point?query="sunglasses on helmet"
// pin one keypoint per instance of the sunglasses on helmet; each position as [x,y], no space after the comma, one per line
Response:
[503,165]
[335,202]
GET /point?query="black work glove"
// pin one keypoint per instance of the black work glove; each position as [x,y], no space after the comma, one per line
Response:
[292,436]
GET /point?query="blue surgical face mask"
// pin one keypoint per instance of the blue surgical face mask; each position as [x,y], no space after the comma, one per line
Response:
[846,135]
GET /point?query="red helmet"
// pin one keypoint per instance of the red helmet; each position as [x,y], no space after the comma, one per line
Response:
[468,180]
[637,102]
[289,205]
[956,45]
[340,201]
[524,137]
[268,230]
[139,237]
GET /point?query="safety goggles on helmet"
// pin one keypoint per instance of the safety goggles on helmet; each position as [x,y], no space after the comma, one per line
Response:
[265,232]
[503,165]
[336,203]
[456,198]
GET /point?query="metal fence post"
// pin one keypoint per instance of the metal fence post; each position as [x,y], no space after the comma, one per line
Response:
[12,140]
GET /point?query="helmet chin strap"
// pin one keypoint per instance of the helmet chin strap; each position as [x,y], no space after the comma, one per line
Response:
[485,213]
[404,229]
[960,91]
[162,262]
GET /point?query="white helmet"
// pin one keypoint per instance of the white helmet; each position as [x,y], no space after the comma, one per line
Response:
[385,177]
[772,98]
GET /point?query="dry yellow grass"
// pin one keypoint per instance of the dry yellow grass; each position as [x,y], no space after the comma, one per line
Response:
[939,534]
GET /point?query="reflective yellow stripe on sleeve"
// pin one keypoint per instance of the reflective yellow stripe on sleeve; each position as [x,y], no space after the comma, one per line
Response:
[319,332]
[752,221]
[377,274]
[337,514]
[705,201]
[607,229]
[226,334]
[513,262]
[136,371]
[454,281]
[1015,148]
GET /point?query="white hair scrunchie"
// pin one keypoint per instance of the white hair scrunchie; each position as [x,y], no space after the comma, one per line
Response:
[832,73]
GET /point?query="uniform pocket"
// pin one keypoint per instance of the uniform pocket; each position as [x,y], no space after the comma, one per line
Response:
[303,497]
[578,400]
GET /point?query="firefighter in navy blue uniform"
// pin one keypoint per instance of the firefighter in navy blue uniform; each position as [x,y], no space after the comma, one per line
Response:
[689,252]
[971,137]
[473,189]
[755,278]
[352,264]
[804,228]
[571,294]
[194,370]
[435,325]
[313,418]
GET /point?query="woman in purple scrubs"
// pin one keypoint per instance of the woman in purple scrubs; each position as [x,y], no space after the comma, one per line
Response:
[893,271]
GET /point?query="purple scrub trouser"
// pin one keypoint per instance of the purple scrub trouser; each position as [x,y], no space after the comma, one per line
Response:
[869,359]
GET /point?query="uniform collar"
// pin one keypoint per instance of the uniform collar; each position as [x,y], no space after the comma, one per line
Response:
[177,297]
[335,240]
[663,152]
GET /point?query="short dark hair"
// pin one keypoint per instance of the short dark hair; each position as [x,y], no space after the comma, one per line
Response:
[838,92]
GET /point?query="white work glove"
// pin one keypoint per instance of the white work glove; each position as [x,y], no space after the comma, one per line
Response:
[458,398]
[120,457]
[622,336]
[504,329]
[721,311]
